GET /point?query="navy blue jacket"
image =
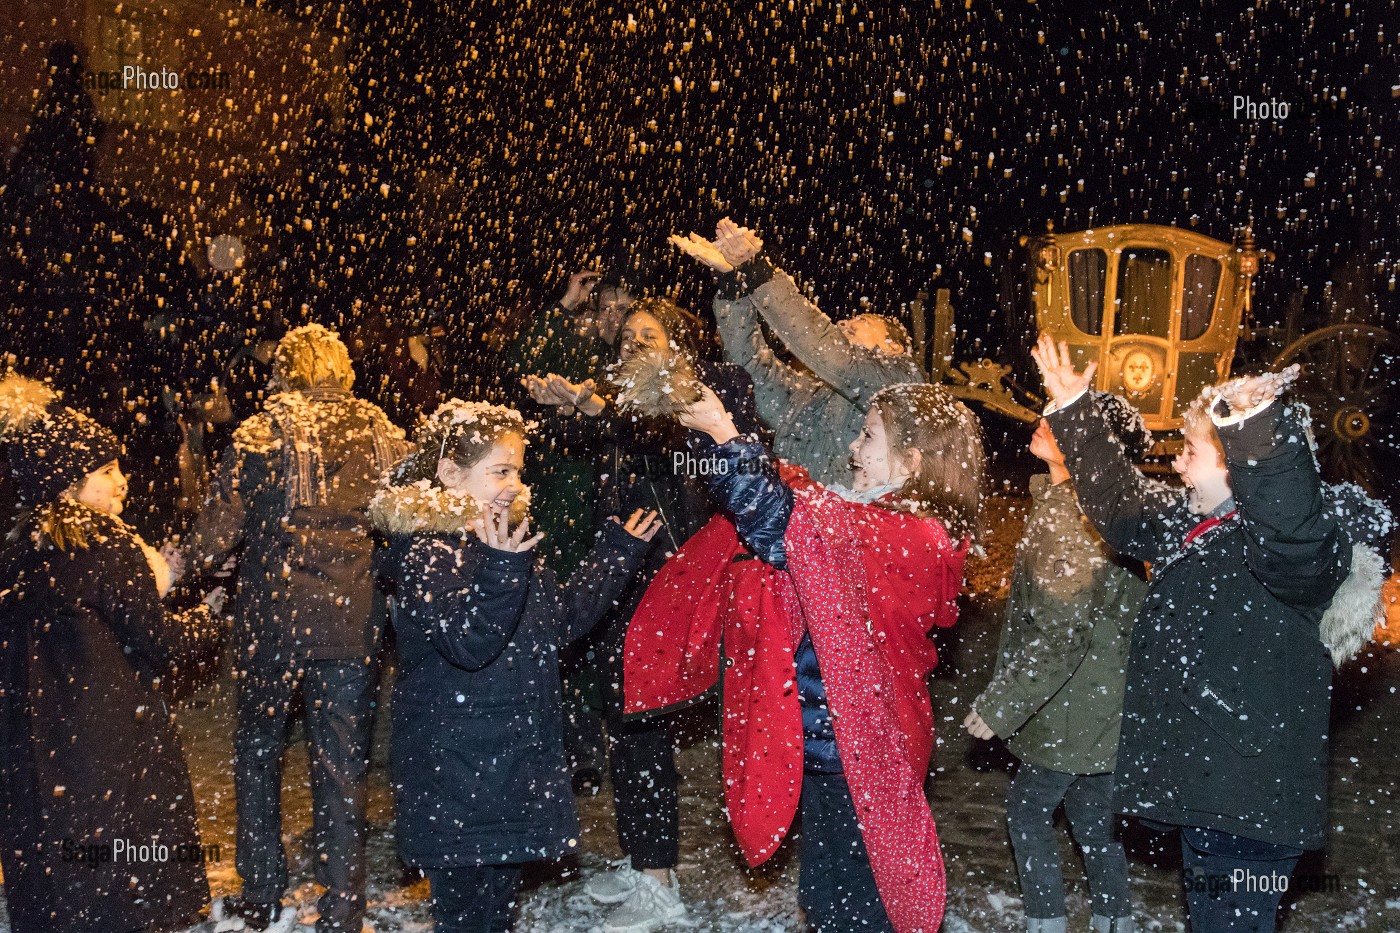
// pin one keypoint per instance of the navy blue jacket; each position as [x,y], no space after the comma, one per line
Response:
[480,775]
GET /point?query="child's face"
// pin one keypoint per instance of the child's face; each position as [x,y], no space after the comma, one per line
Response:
[641,331]
[494,480]
[873,461]
[103,490]
[1044,445]
[1202,468]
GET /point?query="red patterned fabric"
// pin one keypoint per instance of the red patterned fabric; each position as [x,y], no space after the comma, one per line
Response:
[869,584]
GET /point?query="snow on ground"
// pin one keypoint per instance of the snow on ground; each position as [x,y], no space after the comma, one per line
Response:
[967,790]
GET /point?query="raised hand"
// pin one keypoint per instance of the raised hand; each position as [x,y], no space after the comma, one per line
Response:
[1057,371]
[581,285]
[643,524]
[736,244]
[694,245]
[1248,392]
[709,416]
[494,532]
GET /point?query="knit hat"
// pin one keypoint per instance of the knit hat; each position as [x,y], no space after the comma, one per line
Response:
[49,446]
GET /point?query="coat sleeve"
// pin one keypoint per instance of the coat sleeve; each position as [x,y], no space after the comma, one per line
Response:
[162,643]
[1293,545]
[1130,511]
[595,586]
[775,383]
[751,491]
[1063,586]
[467,600]
[853,372]
[221,523]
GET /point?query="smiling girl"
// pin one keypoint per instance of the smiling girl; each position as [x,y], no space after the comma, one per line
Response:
[480,779]
[825,637]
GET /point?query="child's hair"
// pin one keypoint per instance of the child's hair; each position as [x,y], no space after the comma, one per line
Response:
[895,330]
[312,357]
[463,432]
[683,329]
[948,483]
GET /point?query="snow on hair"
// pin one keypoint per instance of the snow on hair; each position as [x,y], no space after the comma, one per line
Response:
[952,461]
[311,357]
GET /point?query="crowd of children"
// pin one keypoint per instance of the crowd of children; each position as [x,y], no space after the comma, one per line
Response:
[1167,651]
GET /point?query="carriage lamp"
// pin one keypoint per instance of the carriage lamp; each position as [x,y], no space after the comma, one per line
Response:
[1250,259]
[1048,255]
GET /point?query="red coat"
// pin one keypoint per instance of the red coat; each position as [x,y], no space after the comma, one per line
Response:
[868,584]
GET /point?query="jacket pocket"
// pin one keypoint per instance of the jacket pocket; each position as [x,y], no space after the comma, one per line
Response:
[489,765]
[1229,715]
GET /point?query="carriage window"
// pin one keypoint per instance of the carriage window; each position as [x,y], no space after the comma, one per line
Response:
[1088,269]
[1198,295]
[1144,302]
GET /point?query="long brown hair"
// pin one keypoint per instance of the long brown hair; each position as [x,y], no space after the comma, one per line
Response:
[948,483]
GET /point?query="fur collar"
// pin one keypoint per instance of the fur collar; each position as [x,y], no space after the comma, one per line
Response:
[426,508]
[1357,608]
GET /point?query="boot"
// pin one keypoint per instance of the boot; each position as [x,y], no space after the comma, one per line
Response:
[1046,924]
[1112,924]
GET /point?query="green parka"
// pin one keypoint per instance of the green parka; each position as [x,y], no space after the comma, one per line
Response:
[1057,692]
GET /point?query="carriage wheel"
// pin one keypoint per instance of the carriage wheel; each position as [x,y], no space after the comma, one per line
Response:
[1351,381]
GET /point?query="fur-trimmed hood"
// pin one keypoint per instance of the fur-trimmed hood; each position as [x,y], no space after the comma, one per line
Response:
[423,507]
[1357,608]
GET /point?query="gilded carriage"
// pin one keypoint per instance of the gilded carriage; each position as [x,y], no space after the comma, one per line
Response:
[1164,311]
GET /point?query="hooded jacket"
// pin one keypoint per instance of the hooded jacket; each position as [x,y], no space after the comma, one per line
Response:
[89,756]
[1056,694]
[1225,713]
[292,490]
[478,763]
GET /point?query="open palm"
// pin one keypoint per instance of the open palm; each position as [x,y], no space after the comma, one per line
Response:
[1062,382]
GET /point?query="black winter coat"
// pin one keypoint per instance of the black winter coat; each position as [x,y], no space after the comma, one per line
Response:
[89,759]
[480,775]
[305,590]
[1228,692]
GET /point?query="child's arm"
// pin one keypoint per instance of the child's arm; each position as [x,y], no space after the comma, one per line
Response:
[594,587]
[1128,510]
[1061,627]
[469,609]
[1294,545]
[747,486]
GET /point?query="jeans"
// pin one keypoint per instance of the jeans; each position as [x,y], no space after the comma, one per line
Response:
[339,707]
[1031,802]
[473,898]
[835,884]
[1233,884]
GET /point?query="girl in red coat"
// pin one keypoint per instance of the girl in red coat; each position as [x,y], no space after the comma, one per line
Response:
[823,643]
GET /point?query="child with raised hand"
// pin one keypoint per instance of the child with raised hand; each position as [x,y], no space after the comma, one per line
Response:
[824,647]
[1225,712]
[480,777]
[1056,695]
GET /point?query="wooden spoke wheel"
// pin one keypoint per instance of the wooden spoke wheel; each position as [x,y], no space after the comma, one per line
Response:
[1351,382]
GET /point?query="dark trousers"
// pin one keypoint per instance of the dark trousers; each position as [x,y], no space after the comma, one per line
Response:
[641,757]
[646,793]
[1031,801]
[1234,884]
[474,898]
[339,706]
[835,885]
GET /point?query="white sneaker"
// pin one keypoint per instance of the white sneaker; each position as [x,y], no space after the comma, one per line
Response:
[651,906]
[615,886]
